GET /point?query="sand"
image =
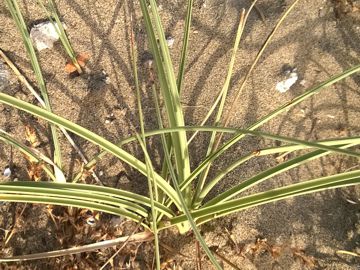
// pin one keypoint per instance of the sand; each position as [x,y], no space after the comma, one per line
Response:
[319,38]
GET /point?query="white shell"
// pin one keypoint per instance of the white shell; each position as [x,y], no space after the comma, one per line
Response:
[7,172]
[44,35]
[285,85]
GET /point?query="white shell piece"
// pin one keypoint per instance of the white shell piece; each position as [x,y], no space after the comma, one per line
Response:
[44,35]
[285,85]
[7,172]
[170,41]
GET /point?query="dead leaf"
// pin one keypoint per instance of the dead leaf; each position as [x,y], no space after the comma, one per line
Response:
[260,246]
[275,251]
[31,137]
[81,58]
[308,261]
[85,173]
[35,170]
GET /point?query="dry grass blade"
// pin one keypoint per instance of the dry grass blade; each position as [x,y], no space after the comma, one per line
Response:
[135,238]
[198,256]
[226,260]
[345,252]
[21,77]
[261,14]
[13,230]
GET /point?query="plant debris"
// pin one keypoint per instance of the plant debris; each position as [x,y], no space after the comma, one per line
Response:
[85,172]
[82,59]
[307,261]
[261,247]
[344,7]
[35,170]
[31,136]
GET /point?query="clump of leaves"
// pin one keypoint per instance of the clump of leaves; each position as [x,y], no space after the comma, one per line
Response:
[176,193]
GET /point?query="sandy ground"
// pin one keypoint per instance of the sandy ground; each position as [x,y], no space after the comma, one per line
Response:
[319,38]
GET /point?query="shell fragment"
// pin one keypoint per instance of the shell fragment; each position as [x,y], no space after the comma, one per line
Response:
[44,35]
[286,84]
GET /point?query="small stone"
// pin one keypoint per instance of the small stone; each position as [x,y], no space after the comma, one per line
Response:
[7,171]
[303,83]
[322,12]
[105,78]
[110,118]
[147,59]
[170,41]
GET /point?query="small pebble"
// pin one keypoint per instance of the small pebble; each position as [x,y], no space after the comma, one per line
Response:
[106,77]
[322,12]
[7,171]
[147,59]
[303,83]
[110,118]
[170,41]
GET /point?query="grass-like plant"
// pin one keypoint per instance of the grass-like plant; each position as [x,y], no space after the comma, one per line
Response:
[21,25]
[180,201]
